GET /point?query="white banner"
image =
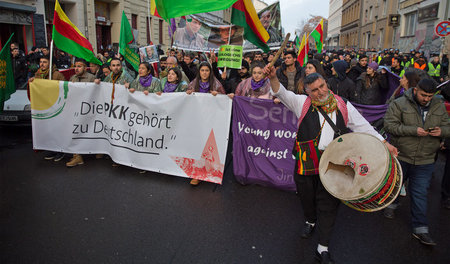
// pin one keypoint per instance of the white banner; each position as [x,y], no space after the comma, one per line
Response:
[176,134]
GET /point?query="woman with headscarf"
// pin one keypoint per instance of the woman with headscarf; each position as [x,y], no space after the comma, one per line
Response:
[339,83]
[205,82]
[371,86]
[145,81]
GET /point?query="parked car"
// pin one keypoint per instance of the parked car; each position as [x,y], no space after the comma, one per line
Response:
[17,110]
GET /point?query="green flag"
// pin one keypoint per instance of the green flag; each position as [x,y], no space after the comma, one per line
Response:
[7,85]
[178,8]
[126,37]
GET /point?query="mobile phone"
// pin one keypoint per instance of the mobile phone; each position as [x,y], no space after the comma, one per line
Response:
[430,129]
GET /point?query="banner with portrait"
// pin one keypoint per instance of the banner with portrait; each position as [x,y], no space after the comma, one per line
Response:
[271,20]
[194,34]
[149,54]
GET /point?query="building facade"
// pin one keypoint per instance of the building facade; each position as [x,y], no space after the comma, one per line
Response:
[377,29]
[98,20]
[24,18]
[351,23]
[334,24]
[418,19]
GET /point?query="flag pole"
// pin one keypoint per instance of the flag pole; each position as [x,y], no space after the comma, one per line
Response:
[171,31]
[51,60]
[306,50]
[229,39]
[148,21]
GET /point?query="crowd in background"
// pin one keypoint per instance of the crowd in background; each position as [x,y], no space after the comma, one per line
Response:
[360,76]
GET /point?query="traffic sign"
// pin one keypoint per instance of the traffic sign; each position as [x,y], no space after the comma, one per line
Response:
[443,28]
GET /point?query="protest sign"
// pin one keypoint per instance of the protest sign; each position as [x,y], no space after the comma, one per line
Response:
[230,56]
[263,137]
[149,54]
[155,133]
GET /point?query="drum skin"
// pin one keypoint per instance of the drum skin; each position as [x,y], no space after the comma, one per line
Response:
[358,169]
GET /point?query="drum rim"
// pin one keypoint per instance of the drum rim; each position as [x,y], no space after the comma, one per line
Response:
[387,203]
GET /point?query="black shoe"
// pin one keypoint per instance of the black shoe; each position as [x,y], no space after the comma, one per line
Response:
[389,213]
[324,258]
[446,203]
[425,239]
[50,155]
[59,156]
[307,230]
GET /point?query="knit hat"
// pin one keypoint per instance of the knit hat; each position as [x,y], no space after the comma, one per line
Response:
[373,66]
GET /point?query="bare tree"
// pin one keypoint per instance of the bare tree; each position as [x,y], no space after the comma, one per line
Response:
[308,25]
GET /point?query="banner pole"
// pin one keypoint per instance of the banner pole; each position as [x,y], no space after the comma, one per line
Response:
[229,38]
[148,21]
[51,60]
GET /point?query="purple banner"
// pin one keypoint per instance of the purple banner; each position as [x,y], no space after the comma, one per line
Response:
[393,82]
[263,137]
[371,112]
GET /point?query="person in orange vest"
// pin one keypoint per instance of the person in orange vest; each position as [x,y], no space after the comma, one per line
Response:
[421,64]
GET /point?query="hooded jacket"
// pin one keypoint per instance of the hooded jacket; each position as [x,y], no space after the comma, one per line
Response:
[341,84]
[356,71]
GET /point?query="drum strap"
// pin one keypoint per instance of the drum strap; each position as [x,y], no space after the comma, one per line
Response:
[338,131]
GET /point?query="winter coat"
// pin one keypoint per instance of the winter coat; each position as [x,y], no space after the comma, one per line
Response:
[401,121]
[341,84]
[282,77]
[356,71]
[371,90]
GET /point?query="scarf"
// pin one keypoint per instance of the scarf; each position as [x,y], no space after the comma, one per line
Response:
[43,74]
[257,84]
[203,87]
[328,106]
[169,87]
[146,81]
[114,78]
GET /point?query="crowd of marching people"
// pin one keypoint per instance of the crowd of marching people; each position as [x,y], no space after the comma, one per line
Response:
[416,119]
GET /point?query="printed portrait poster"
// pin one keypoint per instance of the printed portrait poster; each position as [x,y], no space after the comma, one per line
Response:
[196,35]
[224,35]
[148,54]
[271,20]
[191,34]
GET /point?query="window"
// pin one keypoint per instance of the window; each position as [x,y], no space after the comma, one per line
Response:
[161,31]
[133,21]
[410,24]
[384,8]
[370,13]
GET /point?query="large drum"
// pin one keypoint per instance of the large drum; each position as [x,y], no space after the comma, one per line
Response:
[358,169]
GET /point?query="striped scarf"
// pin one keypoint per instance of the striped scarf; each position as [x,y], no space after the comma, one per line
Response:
[329,106]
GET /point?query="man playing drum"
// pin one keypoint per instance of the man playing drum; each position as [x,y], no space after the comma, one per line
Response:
[313,136]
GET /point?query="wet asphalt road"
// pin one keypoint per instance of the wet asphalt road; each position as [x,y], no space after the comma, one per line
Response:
[95,213]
